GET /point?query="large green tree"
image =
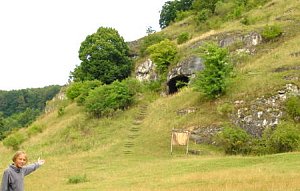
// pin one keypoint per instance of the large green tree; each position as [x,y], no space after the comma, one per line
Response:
[169,11]
[104,56]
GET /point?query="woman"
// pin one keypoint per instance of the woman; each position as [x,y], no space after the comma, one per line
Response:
[13,176]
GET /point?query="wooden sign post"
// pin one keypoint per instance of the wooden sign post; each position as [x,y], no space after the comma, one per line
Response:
[180,137]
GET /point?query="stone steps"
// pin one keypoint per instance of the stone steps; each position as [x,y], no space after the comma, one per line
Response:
[133,131]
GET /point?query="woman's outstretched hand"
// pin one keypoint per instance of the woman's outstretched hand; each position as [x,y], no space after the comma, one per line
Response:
[40,161]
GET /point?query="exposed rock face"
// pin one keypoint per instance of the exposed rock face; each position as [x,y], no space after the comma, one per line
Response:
[146,71]
[204,134]
[187,67]
[243,42]
[184,70]
[262,112]
[248,41]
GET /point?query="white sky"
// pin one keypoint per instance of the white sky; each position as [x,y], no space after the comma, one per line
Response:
[40,39]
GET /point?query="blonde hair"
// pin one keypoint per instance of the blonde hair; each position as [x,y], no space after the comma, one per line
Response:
[17,154]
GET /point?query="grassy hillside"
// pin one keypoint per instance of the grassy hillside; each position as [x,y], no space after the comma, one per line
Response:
[131,150]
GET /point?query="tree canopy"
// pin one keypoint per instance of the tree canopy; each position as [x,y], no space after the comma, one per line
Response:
[169,11]
[104,56]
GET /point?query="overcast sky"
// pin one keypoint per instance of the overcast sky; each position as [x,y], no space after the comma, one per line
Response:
[40,39]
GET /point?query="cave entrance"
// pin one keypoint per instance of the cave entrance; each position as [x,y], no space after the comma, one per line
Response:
[176,83]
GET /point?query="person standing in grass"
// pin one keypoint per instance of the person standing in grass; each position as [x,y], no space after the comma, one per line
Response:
[13,176]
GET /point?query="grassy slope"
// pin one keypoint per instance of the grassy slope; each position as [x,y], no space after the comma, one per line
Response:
[131,151]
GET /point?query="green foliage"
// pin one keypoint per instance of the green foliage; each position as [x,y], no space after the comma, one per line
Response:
[104,100]
[199,5]
[292,105]
[183,37]
[285,138]
[34,129]
[163,54]
[172,9]
[234,140]
[133,85]
[104,56]
[153,86]
[235,13]
[245,21]
[271,32]
[14,140]
[17,101]
[225,109]
[78,91]
[149,40]
[19,108]
[212,80]
[167,14]
[180,15]
[77,179]
[203,15]
[61,111]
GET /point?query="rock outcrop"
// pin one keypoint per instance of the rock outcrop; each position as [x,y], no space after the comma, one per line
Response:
[263,112]
[146,71]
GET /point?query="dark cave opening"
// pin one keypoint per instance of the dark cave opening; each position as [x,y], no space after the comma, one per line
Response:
[176,83]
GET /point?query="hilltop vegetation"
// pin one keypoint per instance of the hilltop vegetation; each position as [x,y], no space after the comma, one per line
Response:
[92,142]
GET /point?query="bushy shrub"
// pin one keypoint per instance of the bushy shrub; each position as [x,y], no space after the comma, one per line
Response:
[234,140]
[271,32]
[34,129]
[203,15]
[183,37]
[61,111]
[77,179]
[212,80]
[150,40]
[285,138]
[163,54]
[78,91]
[104,100]
[14,140]
[292,105]
[133,85]
[180,15]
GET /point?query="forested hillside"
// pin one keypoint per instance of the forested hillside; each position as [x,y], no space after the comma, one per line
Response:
[19,108]
[225,71]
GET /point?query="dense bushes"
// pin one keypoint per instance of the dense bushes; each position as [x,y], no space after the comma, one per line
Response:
[150,40]
[212,80]
[234,140]
[78,91]
[183,37]
[163,54]
[284,138]
[106,99]
[14,140]
[293,107]
[271,32]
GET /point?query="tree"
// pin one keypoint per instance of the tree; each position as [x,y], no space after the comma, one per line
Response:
[212,80]
[104,56]
[169,11]
[167,14]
